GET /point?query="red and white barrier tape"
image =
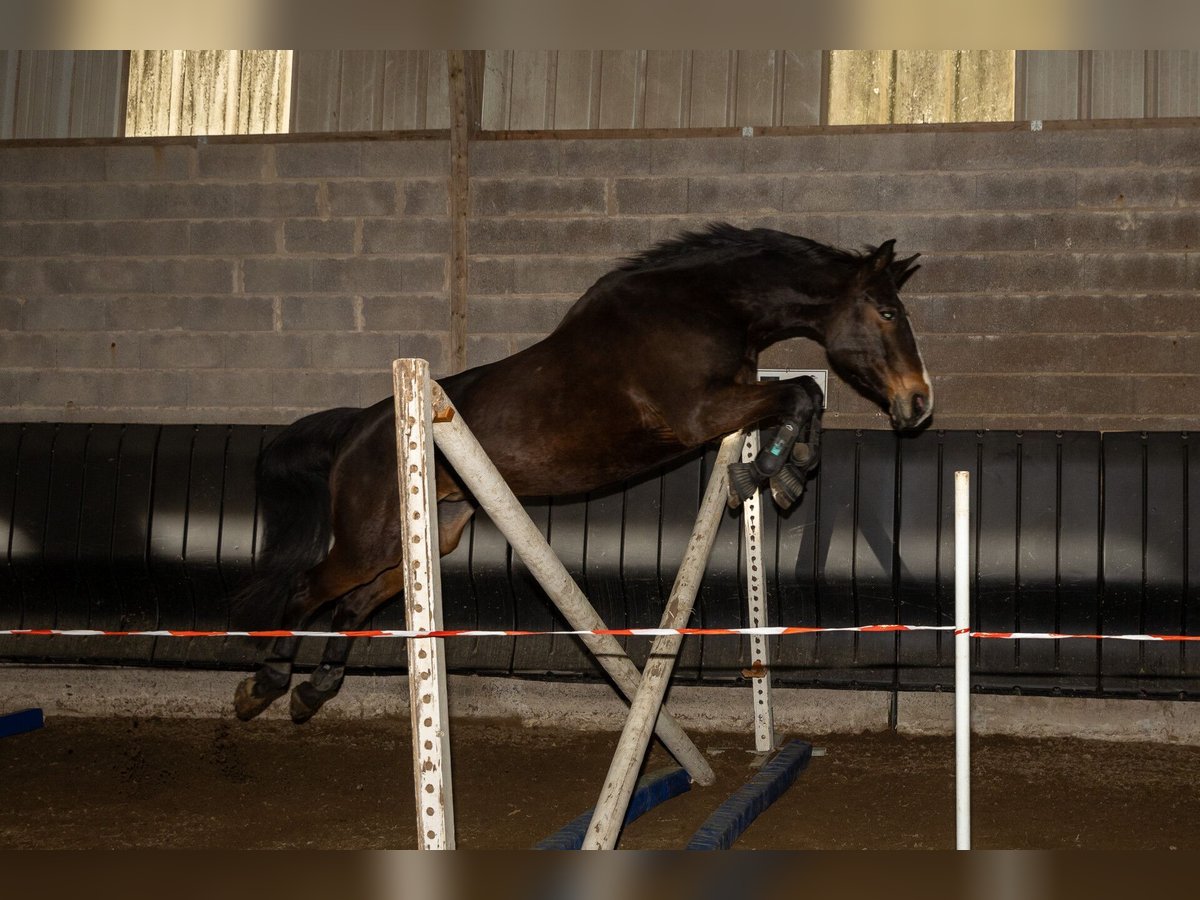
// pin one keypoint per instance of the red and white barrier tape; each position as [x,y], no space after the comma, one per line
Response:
[769,631]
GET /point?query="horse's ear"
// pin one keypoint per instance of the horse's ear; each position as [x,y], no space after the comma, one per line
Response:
[882,258]
[902,270]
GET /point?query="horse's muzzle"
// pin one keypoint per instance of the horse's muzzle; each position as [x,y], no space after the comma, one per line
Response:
[910,409]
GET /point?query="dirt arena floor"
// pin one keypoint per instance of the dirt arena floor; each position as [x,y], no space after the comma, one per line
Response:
[124,783]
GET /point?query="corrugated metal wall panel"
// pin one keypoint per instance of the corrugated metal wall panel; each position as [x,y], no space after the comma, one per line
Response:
[1107,84]
[369,90]
[651,88]
[61,93]
[1177,82]
[1048,84]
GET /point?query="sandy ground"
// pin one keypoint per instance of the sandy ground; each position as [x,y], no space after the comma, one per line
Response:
[118,783]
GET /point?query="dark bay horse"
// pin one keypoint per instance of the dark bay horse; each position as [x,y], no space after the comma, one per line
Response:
[657,358]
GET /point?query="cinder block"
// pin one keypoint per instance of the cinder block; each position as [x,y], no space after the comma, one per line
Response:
[207,388]
[888,151]
[432,347]
[318,313]
[105,350]
[491,159]
[362,198]
[358,275]
[20,350]
[425,274]
[315,389]
[1025,190]
[145,238]
[141,162]
[1126,188]
[830,193]
[605,157]
[235,313]
[745,194]
[58,388]
[698,156]
[235,162]
[429,197]
[487,348]
[47,202]
[612,237]
[198,276]
[490,276]
[636,196]
[233,237]
[407,158]
[406,236]
[561,276]
[922,192]
[64,313]
[512,315]
[330,159]
[146,388]
[102,276]
[55,239]
[182,350]
[50,164]
[267,351]
[266,276]
[10,313]
[318,236]
[279,200]
[354,350]
[794,153]
[406,312]
[492,197]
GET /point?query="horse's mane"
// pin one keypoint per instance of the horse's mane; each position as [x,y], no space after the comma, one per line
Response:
[720,240]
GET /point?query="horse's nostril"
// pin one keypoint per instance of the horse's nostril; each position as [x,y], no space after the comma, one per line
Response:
[920,404]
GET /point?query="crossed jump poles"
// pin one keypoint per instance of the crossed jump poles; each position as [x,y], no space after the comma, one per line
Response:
[424,415]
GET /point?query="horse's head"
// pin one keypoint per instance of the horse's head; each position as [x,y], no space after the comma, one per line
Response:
[870,341]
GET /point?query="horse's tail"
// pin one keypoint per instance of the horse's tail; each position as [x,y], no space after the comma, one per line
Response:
[294,501]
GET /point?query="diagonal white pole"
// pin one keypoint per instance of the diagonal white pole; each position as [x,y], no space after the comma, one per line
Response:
[463,451]
[962,659]
[610,810]
[423,605]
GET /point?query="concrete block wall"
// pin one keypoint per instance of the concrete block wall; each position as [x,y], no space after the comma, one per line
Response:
[237,281]
[217,281]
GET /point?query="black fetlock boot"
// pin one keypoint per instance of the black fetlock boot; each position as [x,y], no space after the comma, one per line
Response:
[746,478]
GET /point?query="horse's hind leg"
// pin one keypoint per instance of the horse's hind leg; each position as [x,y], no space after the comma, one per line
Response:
[349,615]
[271,680]
[354,609]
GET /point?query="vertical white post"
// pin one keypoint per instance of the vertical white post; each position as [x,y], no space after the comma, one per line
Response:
[756,601]
[423,604]
[962,659]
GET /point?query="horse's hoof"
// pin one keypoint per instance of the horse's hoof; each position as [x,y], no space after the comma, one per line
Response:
[743,482]
[786,487]
[306,700]
[805,457]
[253,696]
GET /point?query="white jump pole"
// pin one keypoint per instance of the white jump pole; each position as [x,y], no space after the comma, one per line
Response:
[423,605]
[756,602]
[610,809]
[473,466]
[962,659]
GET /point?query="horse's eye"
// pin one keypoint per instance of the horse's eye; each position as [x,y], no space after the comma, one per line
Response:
[887,314]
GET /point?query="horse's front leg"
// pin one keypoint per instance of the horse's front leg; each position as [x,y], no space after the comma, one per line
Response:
[795,404]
